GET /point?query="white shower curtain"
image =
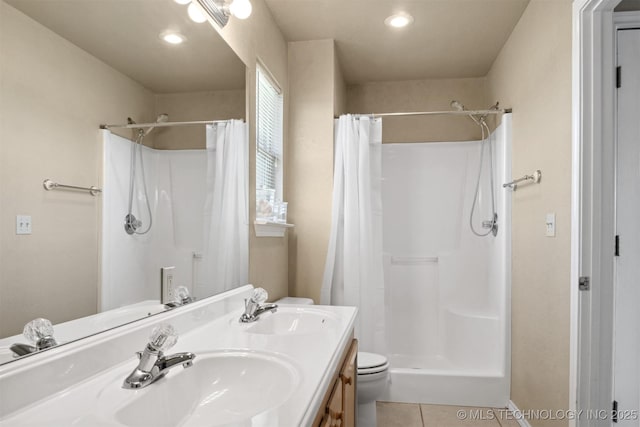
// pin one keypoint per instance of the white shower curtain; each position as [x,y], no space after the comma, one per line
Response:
[353,272]
[227,206]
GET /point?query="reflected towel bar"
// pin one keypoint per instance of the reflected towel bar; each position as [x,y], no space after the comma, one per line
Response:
[51,185]
[535,177]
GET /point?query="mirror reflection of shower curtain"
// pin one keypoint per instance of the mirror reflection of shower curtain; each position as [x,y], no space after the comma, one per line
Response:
[353,271]
[226,209]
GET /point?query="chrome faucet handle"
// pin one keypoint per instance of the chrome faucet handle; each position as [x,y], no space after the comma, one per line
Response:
[40,332]
[259,295]
[162,338]
[183,295]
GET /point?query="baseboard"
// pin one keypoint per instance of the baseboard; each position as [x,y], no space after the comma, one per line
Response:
[517,414]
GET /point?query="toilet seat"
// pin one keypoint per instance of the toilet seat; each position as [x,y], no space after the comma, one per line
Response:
[375,370]
[371,363]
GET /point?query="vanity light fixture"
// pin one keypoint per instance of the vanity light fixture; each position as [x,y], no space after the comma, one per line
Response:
[196,13]
[218,10]
[241,9]
[399,20]
[172,37]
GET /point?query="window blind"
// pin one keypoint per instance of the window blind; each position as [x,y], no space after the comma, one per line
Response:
[269,136]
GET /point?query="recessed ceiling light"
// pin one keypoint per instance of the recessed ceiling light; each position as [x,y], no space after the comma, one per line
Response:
[172,37]
[182,1]
[399,20]
[196,13]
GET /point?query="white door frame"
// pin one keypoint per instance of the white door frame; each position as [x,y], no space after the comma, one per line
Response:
[593,209]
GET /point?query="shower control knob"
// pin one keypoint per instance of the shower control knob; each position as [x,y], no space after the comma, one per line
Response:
[131,223]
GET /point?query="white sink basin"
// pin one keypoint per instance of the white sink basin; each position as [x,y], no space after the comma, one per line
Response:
[6,355]
[294,321]
[221,388]
[274,375]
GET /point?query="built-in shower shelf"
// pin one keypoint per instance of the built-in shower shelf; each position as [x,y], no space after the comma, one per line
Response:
[270,228]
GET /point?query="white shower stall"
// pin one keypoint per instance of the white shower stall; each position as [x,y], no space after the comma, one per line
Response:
[447,291]
[176,184]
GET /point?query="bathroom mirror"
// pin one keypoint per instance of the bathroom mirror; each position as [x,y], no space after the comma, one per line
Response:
[67,67]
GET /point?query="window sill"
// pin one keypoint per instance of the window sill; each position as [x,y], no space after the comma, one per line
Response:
[270,229]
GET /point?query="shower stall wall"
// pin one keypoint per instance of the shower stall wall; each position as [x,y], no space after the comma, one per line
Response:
[177,189]
[447,290]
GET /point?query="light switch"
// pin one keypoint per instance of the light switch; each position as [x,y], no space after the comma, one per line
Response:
[550,223]
[23,224]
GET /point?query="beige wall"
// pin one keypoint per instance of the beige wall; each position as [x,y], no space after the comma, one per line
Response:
[53,98]
[340,89]
[532,74]
[214,105]
[258,39]
[421,95]
[312,90]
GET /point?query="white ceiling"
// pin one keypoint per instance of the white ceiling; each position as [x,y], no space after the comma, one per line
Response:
[125,35]
[448,39]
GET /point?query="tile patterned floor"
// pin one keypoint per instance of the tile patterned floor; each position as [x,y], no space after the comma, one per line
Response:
[415,415]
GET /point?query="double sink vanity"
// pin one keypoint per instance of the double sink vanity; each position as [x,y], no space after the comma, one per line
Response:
[284,369]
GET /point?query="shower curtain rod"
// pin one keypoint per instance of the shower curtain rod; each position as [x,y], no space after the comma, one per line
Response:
[162,124]
[439,113]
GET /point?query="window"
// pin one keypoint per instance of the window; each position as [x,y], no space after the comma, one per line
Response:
[268,145]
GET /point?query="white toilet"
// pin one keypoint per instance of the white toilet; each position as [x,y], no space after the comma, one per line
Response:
[295,301]
[373,376]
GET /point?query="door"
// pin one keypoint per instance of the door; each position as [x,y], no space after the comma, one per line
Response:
[626,351]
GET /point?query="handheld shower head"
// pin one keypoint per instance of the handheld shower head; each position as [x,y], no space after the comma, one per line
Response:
[457,105]
[162,118]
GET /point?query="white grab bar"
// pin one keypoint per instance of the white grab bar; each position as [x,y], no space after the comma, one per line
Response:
[413,260]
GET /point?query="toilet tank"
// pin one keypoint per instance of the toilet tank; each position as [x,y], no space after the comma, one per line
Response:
[294,300]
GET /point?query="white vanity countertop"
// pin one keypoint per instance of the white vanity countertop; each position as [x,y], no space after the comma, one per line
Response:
[89,325]
[312,355]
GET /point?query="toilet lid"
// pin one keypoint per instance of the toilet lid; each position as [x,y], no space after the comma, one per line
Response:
[368,361]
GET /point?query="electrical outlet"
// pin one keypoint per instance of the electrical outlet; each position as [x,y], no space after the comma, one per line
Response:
[23,224]
[167,293]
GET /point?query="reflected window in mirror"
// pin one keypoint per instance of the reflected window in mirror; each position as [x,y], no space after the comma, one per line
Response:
[269,124]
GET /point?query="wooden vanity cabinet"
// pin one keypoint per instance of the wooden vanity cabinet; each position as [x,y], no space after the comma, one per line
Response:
[338,407]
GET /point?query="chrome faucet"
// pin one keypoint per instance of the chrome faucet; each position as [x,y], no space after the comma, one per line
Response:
[255,306]
[153,363]
[182,297]
[40,333]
